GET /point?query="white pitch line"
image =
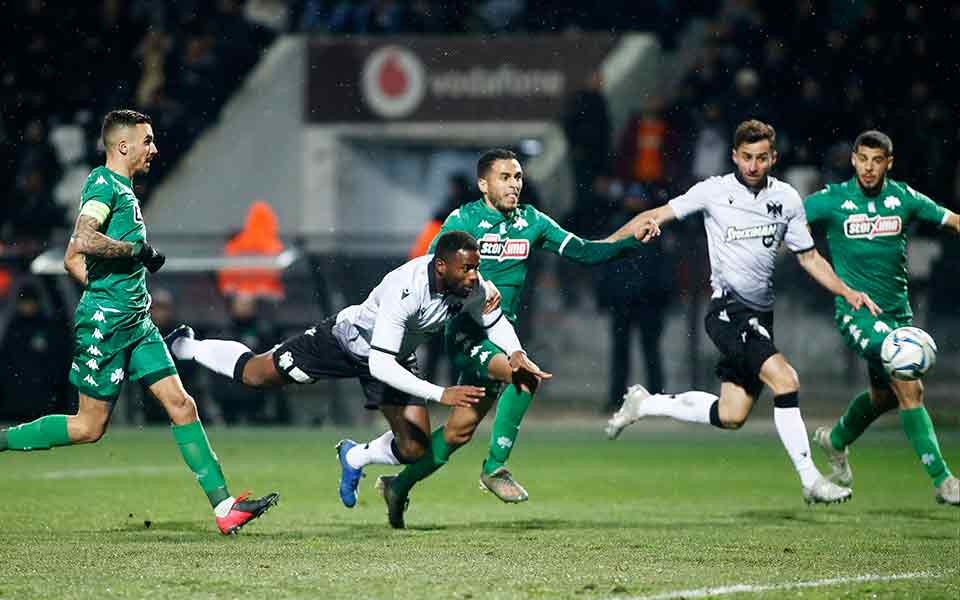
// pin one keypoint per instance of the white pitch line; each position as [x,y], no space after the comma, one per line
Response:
[758,588]
[105,472]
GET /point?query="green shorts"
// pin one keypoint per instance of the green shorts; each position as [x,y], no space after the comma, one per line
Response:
[471,351]
[864,334]
[104,356]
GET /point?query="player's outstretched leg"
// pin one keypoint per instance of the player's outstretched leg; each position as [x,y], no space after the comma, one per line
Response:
[638,403]
[52,431]
[230,513]
[226,357]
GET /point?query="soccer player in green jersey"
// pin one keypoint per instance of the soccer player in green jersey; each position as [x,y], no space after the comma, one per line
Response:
[865,220]
[508,232]
[114,338]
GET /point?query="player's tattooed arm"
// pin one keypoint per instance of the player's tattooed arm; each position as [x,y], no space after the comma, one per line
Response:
[75,263]
[90,242]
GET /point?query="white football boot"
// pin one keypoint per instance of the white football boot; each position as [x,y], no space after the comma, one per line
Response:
[824,491]
[840,471]
[630,411]
[948,492]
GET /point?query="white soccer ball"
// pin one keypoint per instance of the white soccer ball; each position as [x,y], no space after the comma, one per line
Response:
[908,353]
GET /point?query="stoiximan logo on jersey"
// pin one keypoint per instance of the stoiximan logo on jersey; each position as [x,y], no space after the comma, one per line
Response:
[863,226]
[769,233]
[494,247]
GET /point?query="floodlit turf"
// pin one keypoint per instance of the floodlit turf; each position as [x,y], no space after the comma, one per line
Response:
[651,514]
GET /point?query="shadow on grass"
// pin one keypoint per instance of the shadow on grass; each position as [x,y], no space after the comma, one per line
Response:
[804,515]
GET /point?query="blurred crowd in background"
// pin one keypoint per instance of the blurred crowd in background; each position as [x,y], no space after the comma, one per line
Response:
[819,71]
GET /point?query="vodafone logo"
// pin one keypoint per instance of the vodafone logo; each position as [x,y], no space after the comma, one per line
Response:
[394,82]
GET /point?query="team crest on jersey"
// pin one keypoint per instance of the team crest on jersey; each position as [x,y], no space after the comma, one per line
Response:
[775,209]
[862,226]
[891,202]
[492,246]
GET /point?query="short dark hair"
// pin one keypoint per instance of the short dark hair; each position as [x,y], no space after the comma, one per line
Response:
[753,131]
[121,118]
[874,139]
[454,241]
[491,156]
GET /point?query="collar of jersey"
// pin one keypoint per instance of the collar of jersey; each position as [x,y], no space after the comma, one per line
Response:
[856,185]
[766,183]
[127,182]
[503,218]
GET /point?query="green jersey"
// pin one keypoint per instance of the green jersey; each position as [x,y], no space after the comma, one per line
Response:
[867,236]
[506,242]
[116,285]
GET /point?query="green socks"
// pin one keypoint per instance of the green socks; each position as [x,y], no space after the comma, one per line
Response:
[860,414]
[195,448]
[510,410]
[42,434]
[438,456]
[919,429]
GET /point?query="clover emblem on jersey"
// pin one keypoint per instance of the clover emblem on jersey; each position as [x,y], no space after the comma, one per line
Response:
[891,202]
[116,376]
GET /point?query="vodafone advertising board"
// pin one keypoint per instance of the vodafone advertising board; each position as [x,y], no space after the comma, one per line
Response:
[448,78]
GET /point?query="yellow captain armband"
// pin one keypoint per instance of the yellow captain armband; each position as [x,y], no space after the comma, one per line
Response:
[97,210]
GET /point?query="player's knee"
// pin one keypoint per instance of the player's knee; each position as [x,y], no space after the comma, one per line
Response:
[183,409]
[786,381]
[410,450]
[733,421]
[459,436]
[259,372]
[89,430]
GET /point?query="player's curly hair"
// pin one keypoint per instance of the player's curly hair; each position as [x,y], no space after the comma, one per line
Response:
[753,131]
[874,139]
[489,157]
[121,118]
[452,242]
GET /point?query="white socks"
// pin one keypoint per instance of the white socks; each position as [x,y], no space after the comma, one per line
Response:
[793,435]
[376,452]
[220,356]
[692,407]
[223,509]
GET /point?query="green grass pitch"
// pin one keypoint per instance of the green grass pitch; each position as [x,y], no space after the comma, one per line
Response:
[650,515]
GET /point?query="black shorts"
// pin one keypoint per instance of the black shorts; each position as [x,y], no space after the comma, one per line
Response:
[745,338]
[317,354]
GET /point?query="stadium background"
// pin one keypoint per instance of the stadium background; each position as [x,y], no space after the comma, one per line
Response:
[349,118]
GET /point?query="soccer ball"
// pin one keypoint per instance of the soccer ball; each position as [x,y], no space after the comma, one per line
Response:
[908,353]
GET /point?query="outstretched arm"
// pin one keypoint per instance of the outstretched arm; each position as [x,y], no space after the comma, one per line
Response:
[821,271]
[562,242]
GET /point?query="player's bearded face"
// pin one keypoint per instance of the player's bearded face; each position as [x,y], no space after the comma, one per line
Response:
[461,273]
[754,161]
[141,149]
[502,185]
[871,165]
